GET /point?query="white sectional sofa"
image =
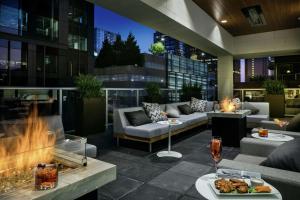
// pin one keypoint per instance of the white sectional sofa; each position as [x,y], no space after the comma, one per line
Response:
[152,132]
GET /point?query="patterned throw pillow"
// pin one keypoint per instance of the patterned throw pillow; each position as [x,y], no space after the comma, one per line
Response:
[237,102]
[154,112]
[198,105]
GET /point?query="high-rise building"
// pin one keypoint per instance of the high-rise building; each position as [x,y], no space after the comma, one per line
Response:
[100,36]
[256,67]
[172,45]
[45,43]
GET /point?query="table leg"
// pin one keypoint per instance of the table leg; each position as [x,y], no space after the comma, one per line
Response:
[169,142]
[169,153]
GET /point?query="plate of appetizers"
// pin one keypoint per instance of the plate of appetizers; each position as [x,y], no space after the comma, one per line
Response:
[247,187]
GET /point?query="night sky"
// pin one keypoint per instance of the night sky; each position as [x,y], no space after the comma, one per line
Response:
[113,22]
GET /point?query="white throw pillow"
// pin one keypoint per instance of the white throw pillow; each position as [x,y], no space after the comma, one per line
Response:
[172,111]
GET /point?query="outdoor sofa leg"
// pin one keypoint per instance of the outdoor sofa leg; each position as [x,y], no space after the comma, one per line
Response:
[150,147]
[118,141]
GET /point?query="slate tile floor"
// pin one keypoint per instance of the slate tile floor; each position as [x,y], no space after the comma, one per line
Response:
[144,176]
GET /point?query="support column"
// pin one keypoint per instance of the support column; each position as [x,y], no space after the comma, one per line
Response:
[225,77]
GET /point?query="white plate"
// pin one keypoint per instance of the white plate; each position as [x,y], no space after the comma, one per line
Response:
[274,191]
[274,137]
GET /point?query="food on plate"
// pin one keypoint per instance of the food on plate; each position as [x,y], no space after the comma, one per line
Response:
[224,186]
[262,189]
[239,186]
[242,189]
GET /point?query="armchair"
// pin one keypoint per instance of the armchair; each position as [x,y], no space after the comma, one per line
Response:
[253,152]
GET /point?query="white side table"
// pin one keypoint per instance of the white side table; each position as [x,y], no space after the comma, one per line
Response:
[203,187]
[169,153]
[274,137]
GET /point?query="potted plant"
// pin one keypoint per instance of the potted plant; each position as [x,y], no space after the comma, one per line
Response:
[91,105]
[189,91]
[153,93]
[275,96]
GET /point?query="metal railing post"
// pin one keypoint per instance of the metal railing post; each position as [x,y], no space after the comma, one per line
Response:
[137,98]
[106,108]
[60,111]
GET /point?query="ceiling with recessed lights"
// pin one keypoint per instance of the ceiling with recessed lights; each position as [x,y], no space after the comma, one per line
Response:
[259,15]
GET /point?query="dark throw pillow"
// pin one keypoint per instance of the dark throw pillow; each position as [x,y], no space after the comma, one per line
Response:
[185,109]
[137,118]
[286,156]
[294,124]
[253,109]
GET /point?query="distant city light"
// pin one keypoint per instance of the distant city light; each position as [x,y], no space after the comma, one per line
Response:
[288,71]
[242,70]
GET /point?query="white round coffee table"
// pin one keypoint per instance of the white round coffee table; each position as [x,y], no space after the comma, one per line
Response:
[169,153]
[203,187]
[274,137]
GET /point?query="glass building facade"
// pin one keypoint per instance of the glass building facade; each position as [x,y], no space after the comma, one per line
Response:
[100,36]
[45,43]
[183,70]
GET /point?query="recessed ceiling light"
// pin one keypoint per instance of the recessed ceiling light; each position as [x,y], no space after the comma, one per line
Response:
[224,21]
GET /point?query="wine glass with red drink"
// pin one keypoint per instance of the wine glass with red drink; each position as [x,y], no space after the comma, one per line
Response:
[216,149]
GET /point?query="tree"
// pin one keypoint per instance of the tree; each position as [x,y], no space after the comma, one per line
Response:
[157,48]
[118,49]
[105,57]
[132,53]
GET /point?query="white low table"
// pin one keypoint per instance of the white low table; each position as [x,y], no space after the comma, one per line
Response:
[274,137]
[203,187]
[169,153]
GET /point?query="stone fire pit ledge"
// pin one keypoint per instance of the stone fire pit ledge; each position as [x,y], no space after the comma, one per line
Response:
[73,184]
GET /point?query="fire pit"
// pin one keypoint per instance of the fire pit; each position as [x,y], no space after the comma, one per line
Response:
[27,153]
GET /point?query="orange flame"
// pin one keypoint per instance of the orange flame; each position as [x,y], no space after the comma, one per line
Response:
[29,147]
[227,105]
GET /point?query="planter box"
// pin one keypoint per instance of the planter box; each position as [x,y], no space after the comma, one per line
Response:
[276,105]
[91,116]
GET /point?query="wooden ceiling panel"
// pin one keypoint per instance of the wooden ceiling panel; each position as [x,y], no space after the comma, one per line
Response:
[279,14]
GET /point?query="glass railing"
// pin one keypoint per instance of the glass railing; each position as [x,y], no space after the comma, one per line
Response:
[17,102]
[292,98]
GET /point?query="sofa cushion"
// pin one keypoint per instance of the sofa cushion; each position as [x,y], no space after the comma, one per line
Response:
[137,118]
[256,118]
[172,111]
[154,112]
[253,109]
[210,106]
[286,156]
[193,118]
[185,109]
[198,105]
[249,159]
[147,130]
[294,124]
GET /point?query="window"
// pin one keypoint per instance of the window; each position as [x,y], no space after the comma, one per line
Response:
[77,42]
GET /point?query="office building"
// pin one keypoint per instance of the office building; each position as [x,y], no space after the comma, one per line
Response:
[130,76]
[45,43]
[100,36]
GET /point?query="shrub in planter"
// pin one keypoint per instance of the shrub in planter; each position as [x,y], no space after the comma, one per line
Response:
[275,96]
[90,105]
[153,93]
[189,91]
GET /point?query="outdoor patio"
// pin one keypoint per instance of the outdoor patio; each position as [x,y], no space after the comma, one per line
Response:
[142,175]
